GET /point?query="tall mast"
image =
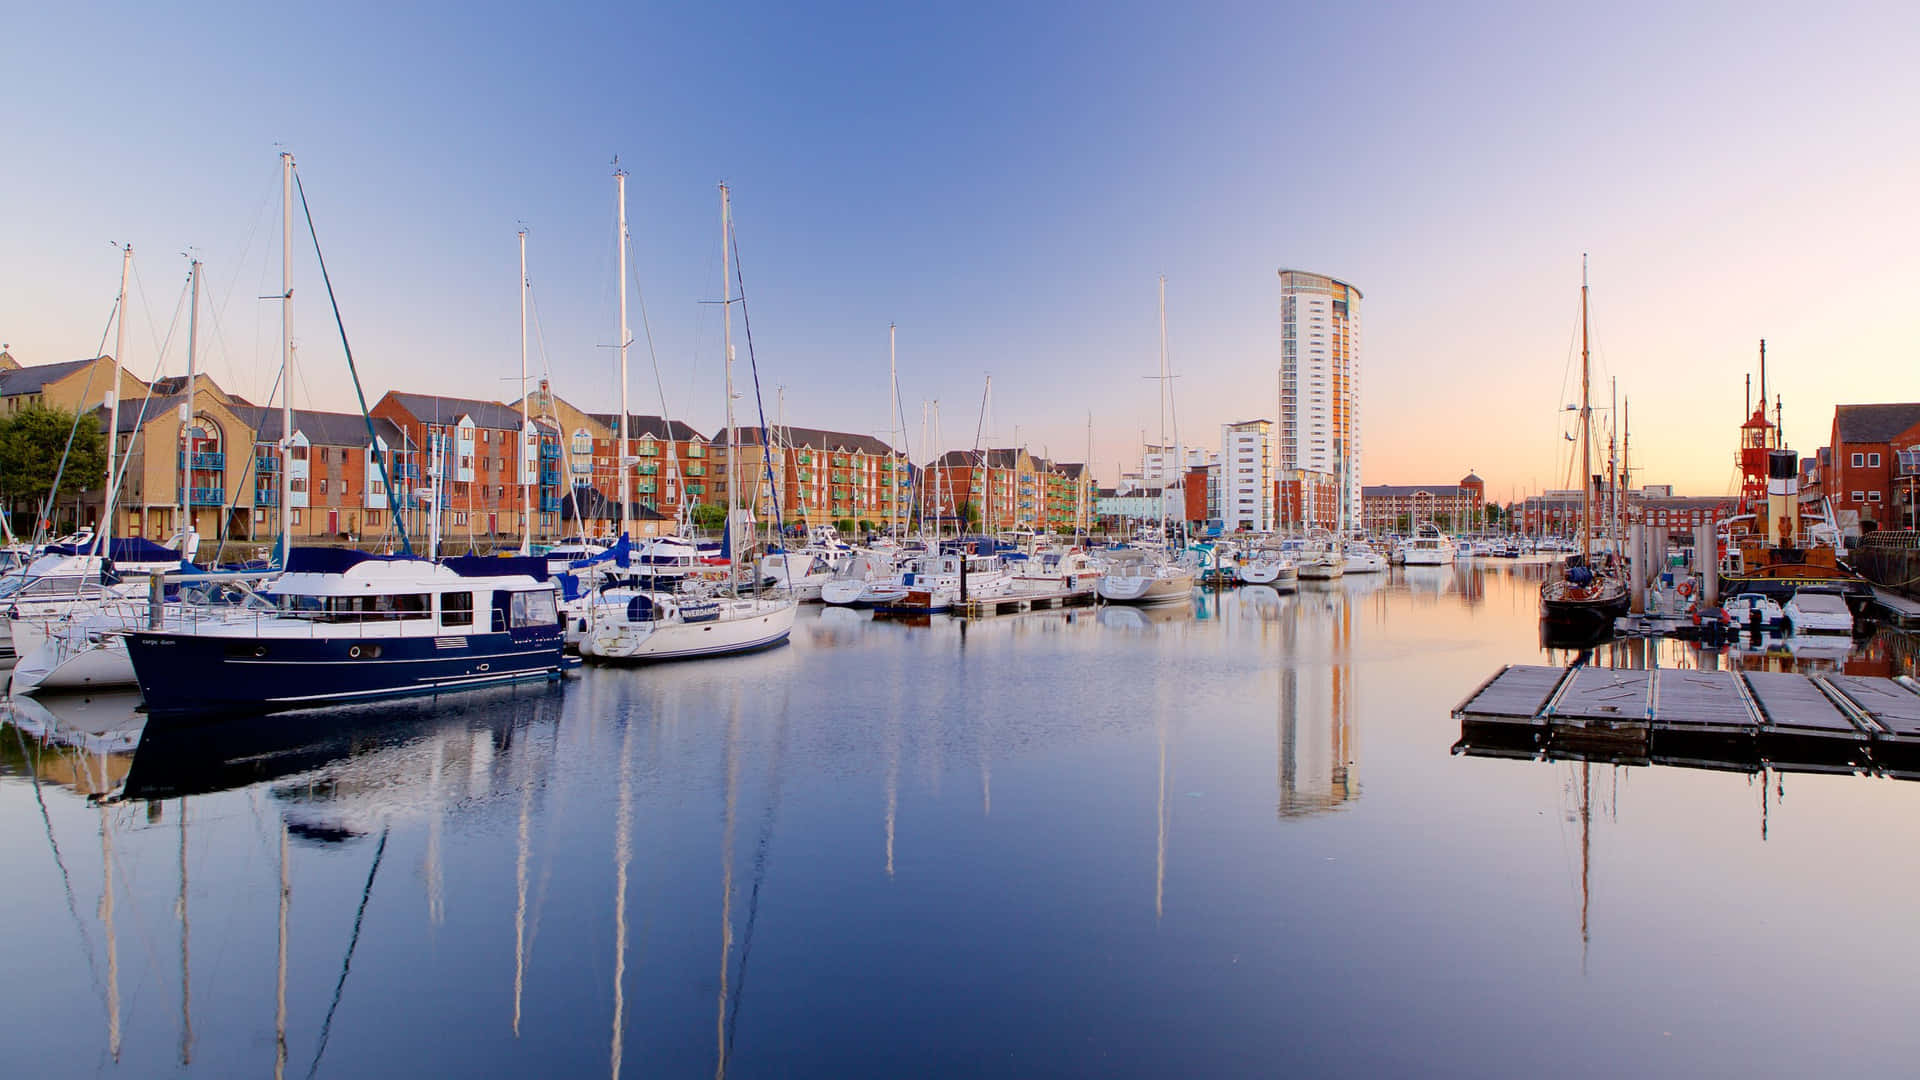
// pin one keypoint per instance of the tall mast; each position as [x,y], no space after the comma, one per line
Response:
[1165,472]
[1613,464]
[893,418]
[528,442]
[1083,495]
[102,543]
[620,183]
[1586,458]
[1767,439]
[286,357]
[186,410]
[726,333]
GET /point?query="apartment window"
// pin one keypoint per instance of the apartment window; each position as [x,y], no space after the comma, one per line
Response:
[299,453]
[373,519]
[1873,496]
[486,436]
[323,483]
[1859,496]
[1873,461]
[459,517]
[1859,460]
[259,516]
[296,515]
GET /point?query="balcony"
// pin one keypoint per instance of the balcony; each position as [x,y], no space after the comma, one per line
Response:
[263,463]
[646,487]
[647,468]
[696,470]
[403,471]
[549,452]
[549,477]
[204,461]
[206,496]
[266,497]
[549,504]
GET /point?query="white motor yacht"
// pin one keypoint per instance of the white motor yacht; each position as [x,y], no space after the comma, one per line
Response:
[1427,547]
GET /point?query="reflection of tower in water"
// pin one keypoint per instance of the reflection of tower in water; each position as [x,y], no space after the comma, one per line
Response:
[1316,759]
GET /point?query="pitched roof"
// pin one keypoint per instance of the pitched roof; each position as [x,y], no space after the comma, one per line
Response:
[1470,478]
[31,380]
[589,503]
[639,427]
[131,414]
[810,438]
[321,428]
[434,409]
[1870,423]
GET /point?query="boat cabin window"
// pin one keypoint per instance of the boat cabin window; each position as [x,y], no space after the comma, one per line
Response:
[456,609]
[59,588]
[524,609]
[346,609]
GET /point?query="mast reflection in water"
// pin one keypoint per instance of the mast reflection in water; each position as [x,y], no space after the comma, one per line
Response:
[925,850]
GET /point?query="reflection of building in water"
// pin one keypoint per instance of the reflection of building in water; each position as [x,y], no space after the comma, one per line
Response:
[1316,736]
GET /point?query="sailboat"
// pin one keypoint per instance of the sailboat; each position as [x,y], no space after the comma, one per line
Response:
[1583,600]
[1139,576]
[643,624]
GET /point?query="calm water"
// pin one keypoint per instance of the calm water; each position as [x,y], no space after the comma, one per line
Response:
[1100,844]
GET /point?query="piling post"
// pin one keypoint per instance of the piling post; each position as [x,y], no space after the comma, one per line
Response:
[156,599]
[1706,563]
[1637,568]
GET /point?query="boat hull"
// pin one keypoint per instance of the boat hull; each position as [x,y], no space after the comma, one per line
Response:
[195,675]
[96,665]
[640,643]
[1144,591]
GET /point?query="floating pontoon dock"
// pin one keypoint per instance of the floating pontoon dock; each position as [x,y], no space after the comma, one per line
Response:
[1681,703]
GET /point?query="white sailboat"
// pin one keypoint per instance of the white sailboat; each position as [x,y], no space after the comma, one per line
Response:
[1269,564]
[1139,575]
[645,624]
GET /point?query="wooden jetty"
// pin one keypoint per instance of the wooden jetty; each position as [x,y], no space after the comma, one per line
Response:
[1831,719]
[979,607]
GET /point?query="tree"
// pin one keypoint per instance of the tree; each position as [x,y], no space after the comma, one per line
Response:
[709,515]
[32,442]
[1443,521]
[1494,514]
[969,513]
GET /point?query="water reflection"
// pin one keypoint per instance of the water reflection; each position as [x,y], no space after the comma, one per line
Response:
[933,846]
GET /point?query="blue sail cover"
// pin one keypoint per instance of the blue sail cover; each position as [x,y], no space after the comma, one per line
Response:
[619,555]
[532,566]
[124,550]
[323,560]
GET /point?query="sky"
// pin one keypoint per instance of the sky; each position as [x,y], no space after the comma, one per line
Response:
[1005,183]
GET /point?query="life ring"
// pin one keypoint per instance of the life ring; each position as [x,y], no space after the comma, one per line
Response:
[1686,588]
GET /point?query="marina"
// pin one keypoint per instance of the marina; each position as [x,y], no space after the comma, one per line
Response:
[496,612]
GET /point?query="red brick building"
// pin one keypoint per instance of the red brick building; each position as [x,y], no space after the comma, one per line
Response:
[1456,507]
[331,486]
[482,454]
[1876,463]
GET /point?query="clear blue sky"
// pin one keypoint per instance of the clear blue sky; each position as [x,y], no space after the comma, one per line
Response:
[1005,182]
